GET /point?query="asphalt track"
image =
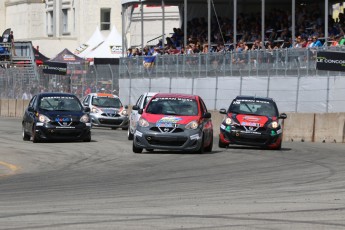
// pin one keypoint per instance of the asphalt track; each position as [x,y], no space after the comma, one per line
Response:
[103,185]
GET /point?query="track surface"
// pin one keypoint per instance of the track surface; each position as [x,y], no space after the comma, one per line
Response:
[103,185]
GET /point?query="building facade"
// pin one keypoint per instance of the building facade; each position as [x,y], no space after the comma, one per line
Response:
[53,25]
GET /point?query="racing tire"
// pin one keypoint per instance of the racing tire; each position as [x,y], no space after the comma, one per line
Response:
[88,138]
[130,135]
[201,149]
[35,138]
[26,137]
[210,146]
[136,149]
[222,145]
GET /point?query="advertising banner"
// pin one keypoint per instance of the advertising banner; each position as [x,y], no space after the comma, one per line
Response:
[330,61]
[58,68]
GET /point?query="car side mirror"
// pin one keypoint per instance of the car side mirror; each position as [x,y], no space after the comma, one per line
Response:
[87,109]
[207,115]
[135,107]
[222,111]
[282,116]
[140,111]
[126,106]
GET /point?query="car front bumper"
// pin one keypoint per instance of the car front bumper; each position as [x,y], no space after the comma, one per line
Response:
[186,140]
[99,120]
[264,138]
[46,131]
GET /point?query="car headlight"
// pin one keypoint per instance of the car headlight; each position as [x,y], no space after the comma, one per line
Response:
[228,121]
[42,118]
[124,112]
[85,118]
[274,125]
[143,122]
[95,110]
[192,125]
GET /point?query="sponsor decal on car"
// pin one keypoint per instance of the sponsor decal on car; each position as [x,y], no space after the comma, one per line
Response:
[169,121]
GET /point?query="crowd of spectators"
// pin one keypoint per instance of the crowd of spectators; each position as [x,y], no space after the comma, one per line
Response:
[309,32]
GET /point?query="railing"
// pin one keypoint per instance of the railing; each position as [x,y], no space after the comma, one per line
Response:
[284,62]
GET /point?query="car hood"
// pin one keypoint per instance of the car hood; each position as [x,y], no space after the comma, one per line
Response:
[251,120]
[168,119]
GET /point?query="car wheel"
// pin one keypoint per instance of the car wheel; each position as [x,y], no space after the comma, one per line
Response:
[35,138]
[26,137]
[130,135]
[137,149]
[210,146]
[221,144]
[88,138]
[201,149]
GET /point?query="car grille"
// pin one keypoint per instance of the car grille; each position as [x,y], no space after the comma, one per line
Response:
[166,141]
[166,130]
[111,115]
[72,124]
[110,122]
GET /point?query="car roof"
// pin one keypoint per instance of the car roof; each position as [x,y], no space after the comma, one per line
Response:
[52,94]
[103,95]
[244,97]
[150,93]
[178,95]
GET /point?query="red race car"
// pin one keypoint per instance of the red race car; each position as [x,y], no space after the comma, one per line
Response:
[253,121]
[172,121]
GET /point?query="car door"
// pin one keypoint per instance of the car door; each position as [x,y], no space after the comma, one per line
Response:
[29,115]
[207,122]
[134,117]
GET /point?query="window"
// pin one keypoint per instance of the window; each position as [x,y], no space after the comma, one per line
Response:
[105,19]
[64,21]
[50,23]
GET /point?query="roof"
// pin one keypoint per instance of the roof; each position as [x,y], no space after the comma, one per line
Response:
[103,95]
[245,97]
[51,94]
[177,95]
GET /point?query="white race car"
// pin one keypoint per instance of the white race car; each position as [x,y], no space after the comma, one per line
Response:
[134,115]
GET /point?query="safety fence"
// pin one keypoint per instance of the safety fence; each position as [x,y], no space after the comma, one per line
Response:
[193,73]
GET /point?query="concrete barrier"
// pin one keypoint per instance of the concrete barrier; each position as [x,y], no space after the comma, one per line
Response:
[299,127]
[308,127]
[330,127]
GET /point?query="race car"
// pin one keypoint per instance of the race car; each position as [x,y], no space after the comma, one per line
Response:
[56,116]
[252,121]
[106,110]
[134,115]
[174,121]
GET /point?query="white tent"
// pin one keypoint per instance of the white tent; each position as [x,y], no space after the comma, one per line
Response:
[95,40]
[110,48]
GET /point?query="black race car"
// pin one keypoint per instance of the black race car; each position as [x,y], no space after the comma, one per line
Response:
[253,121]
[56,116]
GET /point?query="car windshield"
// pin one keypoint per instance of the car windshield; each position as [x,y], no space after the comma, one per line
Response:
[255,107]
[173,106]
[61,103]
[110,102]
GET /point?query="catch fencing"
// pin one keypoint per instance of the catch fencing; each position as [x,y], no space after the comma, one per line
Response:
[288,75]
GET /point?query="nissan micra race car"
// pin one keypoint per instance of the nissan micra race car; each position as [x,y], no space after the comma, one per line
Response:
[56,116]
[106,110]
[174,122]
[253,121]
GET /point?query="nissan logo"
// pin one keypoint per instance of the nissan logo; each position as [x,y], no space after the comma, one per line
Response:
[166,130]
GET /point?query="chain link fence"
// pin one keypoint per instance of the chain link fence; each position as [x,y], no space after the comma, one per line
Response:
[181,73]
